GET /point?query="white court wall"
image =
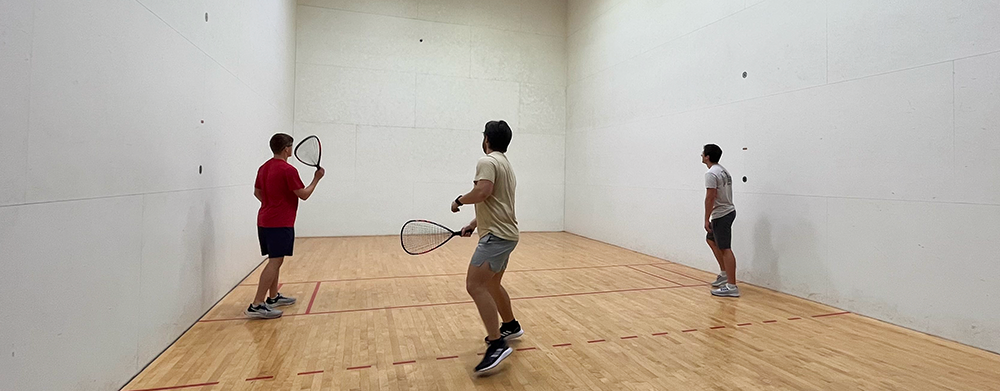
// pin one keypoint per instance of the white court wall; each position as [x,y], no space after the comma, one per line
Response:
[871,135]
[113,241]
[399,92]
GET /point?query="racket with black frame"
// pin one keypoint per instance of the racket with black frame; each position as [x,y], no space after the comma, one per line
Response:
[421,236]
[309,151]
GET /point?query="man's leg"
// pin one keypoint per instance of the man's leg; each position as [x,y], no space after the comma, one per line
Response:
[718,255]
[722,277]
[284,242]
[722,228]
[489,261]
[273,289]
[477,284]
[730,262]
[501,298]
[268,279]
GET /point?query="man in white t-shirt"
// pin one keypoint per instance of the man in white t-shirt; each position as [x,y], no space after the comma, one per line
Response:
[493,196]
[719,216]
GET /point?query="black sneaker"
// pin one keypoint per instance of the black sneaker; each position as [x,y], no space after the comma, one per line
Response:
[495,353]
[508,331]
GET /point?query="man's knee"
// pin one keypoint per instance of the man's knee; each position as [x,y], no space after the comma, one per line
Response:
[475,287]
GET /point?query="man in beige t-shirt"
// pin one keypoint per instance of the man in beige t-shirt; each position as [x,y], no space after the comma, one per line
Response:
[493,195]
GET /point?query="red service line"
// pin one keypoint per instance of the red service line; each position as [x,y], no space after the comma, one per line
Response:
[654,275]
[313,298]
[456,274]
[177,387]
[316,291]
[679,273]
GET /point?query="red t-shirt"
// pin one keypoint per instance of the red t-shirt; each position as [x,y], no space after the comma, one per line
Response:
[277,181]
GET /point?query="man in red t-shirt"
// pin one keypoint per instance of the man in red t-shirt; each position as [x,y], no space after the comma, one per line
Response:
[278,188]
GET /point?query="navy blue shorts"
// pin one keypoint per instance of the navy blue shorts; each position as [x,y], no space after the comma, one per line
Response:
[276,242]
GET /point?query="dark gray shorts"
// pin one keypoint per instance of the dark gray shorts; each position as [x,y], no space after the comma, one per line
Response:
[722,231]
[494,250]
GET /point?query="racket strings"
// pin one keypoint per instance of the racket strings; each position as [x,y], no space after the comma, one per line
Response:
[418,237]
[308,151]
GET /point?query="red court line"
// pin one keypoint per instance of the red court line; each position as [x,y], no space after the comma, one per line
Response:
[313,298]
[454,357]
[371,278]
[833,314]
[308,311]
[177,387]
[460,274]
[795,318]
[603,292]
[679,273]
[651,274]
[388,308]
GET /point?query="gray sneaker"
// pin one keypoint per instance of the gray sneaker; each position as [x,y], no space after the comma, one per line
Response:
[279,301]
[261,312]
[719,280]
[727,290]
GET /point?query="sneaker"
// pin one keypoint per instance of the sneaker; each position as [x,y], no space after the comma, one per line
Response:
[508,331]
[495,353]
[727,290]
[719,280]
[279,301]
[261,312]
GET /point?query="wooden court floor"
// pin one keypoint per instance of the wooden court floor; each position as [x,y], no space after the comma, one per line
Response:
[596,317]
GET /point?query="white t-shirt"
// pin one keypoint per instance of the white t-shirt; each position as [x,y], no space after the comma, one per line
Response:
[496,215]
[718,178]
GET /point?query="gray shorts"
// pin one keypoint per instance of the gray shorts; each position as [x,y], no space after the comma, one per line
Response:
[722,231]
[494,250]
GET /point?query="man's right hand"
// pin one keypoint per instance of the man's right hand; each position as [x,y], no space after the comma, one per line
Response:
[320,172]
[467,231]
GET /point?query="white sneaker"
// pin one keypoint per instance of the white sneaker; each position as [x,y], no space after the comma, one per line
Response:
[279,301]
[719,280]
[261,312]
[727,290]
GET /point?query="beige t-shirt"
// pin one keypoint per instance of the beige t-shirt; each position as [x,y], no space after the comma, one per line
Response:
[496,214]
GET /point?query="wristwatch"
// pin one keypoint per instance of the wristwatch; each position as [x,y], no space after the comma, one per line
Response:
[459,202]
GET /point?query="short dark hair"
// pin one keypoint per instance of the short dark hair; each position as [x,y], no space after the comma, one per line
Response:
[280,141]
[713,152]
[498,135]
